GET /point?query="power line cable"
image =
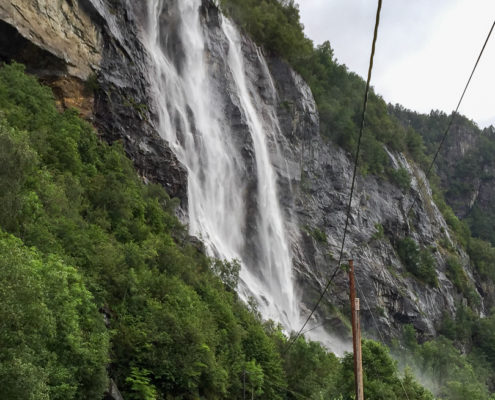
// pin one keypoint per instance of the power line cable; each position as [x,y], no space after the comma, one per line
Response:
[356,160]
[354,178]
[302,396]
[314,327]
[451,120]
[427,175]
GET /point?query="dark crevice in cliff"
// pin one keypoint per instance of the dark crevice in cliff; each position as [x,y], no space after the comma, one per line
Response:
[14,47]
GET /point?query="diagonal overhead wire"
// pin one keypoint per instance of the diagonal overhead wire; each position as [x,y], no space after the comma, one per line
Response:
[427,174]
[451,119]
[422,183]
[356,159]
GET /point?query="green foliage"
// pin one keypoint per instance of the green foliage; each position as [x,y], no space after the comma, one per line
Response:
[415,147]
[319,235]
[452,375]
[274,24]
[482,221]
[381,380]
[482,254]
[17,160]
[462,327]
[91,84]
[140,384]
[401,178]
[254,378]
[53,341]
[420,263]
[380,232]
[311,371]
[228,272]
[484,337]
[457,275]
[460,228]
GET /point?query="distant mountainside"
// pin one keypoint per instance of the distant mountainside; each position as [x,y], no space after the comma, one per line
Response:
[466,165]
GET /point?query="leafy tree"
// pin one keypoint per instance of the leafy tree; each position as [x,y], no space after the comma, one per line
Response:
[53,341]
[254,378]
[141,387]
[311,370]
[381,380]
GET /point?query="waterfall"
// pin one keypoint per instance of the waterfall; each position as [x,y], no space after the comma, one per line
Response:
[192,119]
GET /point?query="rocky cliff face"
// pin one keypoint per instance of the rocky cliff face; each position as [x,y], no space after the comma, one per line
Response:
[62,28]
[321,183]
[465,165]
[58,42]
[76,48]
[76,39]
[466,170]
[460,156]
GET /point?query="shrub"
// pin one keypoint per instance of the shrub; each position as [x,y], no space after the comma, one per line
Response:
[458,276]
[319,235]
[420,263]
[401,178]
[380,232]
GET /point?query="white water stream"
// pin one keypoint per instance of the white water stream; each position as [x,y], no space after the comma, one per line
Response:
[192,120]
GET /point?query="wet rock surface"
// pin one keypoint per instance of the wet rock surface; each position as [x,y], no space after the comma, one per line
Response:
[123,109]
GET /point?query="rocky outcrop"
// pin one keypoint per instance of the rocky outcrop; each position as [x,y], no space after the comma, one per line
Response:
[56,41]
[71,92]
[465,164]
[113,392]
[61,28]
[467,172]
[74,47]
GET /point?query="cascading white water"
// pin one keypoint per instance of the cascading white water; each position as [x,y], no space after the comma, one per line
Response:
[274,245]
[192,120]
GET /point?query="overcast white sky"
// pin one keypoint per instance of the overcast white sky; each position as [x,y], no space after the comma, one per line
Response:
[425,49]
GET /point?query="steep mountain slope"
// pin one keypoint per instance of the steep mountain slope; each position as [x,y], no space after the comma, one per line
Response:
[465,166]
[312,176]
[225,125]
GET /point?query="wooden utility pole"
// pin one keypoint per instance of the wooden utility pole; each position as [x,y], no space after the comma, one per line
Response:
[356,335]
[244,384]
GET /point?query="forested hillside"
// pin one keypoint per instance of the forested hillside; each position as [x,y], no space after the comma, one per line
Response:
[99,280]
